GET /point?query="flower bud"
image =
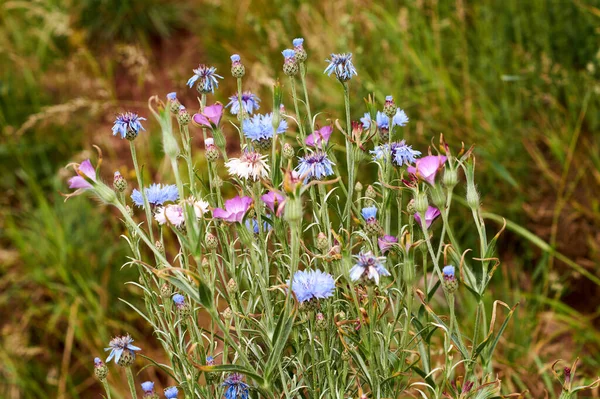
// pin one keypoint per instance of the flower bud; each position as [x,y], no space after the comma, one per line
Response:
[183,309]
[472,196]
[410,207]
[322,242]
[389,109]
[212,153]
[320,322]
[358,187]
[293,210]
[183,116]
[290,65]
[100,369]
[211,241]
[129,210]
[299,50]
[173,103]
[421,203]
[346,355]
[288,151]
[232,286]
[165,290]
[438,197]
[237,68]
[450,282]
[450,178]
[408,271]
[119,183]
[159,246]
[227,313]
[370,192]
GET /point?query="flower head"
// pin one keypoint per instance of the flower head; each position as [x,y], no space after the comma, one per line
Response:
[400,118]
[120,345]
[235,209]
[315,165]
[368,266]
[171,214]
[178,299]
[289,55]
[98,362]
[369,213]
[366,120]
[301,54]
[448,272]
[260,127]
[236,388]
[312,284]
[341,65]
[319,137]
[128,125]
[403,154]
[249,102]
[79,182]
[172,96]
[148,387]
[157,194]
[210,116]
[430,215]
[298,42]
[273,200]
[171,393]
[427,167]
[386,243]
[206,77]
[250,164]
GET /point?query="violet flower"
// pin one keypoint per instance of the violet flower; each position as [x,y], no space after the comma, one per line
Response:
[427,167]
[386,243]
[430,215]
[210,117]
[319,137]
[78,181]
[235,209]
[274,201]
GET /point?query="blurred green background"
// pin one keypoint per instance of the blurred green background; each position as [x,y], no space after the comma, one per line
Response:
[520,79]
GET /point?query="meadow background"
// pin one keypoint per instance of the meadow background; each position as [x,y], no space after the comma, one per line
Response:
[520,79]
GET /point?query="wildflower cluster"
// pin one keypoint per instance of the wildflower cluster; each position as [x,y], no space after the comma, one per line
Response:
[314,249]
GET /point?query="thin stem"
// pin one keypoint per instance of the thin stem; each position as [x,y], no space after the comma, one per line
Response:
[131,382]
[138,174]
[106,388]
[303,79]
[299,119]
[349,158]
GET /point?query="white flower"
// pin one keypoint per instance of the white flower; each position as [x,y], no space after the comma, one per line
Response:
[170,214]
[250,164]
[200,208]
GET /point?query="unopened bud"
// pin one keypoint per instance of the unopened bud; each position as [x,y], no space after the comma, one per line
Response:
[100,369]
[389,109]
[370,192]
[183,116]
[322,242]
[320,322]
[227,313]
[119,182]
[450,178]
[421,203]
[438,197]
[358,186]
[232,286]
[237,68]
[166,290]
[288,151]
[211,241]
[472,196]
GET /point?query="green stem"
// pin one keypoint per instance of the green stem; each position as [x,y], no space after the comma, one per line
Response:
[142,191]
[106,388]
[303,79]
[349,158]
[131,382]
[299,119]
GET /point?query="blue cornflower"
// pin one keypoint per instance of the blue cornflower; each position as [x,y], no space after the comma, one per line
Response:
[389,99]
[128,125]
[210,361]
[249,102]
[382,121]
[404,154]
[312,284]
[260,127]
[368,266]
[288,55]
[235,58]
[298,42]
[448,272]
[148,388]
[206,77]
[400,118]
[366,120]
[118,345]
[157,194]
[171,392]
[236,388]
[178,299]
[380,152]
[341,64]
[369,212]
[172,96]
[315,165]
[253,226]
